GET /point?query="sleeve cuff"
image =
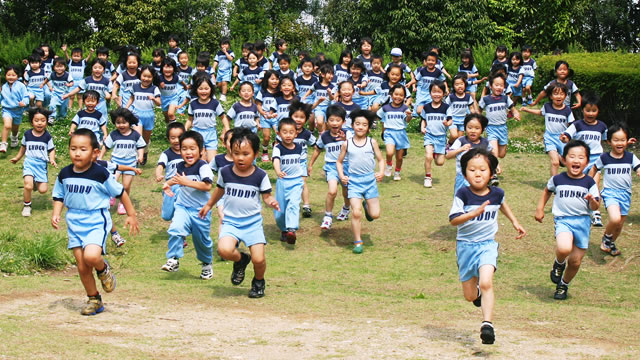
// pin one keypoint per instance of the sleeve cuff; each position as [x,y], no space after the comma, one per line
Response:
[453,216]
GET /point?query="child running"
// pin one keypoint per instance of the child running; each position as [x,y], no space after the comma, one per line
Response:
[223,61]
[15,98]
[59,82]
[474,125]
[168,162]
[301,113]
[85,188]
[143,98]
[220,161]
[361,152]
[395,116]
[38,150]
[461,103]
[576,196]
[436,118]
[475,213]
[266,99]
[245,113]
[243,184]
[90,118]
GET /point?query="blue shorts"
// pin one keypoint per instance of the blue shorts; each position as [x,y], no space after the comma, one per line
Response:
[516,91]
[223,75]
[210,136]
[472,255]
[36,168]
[246,230]
[58,107]
[124,98]
[362,186]
[102,107]
[331,171]
[169,100]
[361,101]
[305,167]
[86,227]
[592,160]
[169,202]
[459,122]
[185,222]
[578,226]
[472,88]
[147,118]
[619,197]
[460,182]
[127,162]
[320,111]
[268,123]
[14,113]
[398,138]
[36,92]
[439,142]
[75,85]
[527,81]
[499,133]
[552,143]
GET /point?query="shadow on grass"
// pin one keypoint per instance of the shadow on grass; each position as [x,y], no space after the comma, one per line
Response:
[71,304]
[596,255]
[159,236]
[536,184]
[419,178]
[228,290]
[444,233]
[543,293]
[469,340]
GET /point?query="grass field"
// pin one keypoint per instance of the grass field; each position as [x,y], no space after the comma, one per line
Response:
[400,299]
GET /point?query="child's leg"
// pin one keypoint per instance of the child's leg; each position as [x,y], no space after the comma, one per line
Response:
[502,151]
[171,113]
[220,210]
[331,196]
[453,134]
[428,158]
[614,226]
[28,188]
[619,229]
[345,192]
[14,129]
[281,215]
[126,182]
[227,248]
[38,103]
[146,135]
[200,233]
[555,162]
[210,155]
[319,121]
[42,187]
[486,287]
[306,200]
[181,226]
[312,123]
[564,246]
[8,122]
[573,264]
[439,159]
[373,207]
[399,159]
[356,219]
[88,259]
[266,136]
[71,101]
[293,194]
[259,261]
[390,151]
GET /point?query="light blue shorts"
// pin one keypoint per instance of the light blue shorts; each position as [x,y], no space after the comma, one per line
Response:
[619,197]
[14,113]
[38,93]
[578,226]
[527,81]
[460,182]
[516,91]
[210,136]
[499,133]
[362,186]
[592,160]
[147,118]
[320,111]
[472,88]
[223,75]
[127,162]
[36,168]
[305,168]
[246,230]
[331,172]
[168,101]
[268,123]
[458,122]
[398,138]
[552,143]
[473,255]
[86,227]
[439,142]
[361,101]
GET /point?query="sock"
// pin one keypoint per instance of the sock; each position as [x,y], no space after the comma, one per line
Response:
[114,232]
[99,272]
[306,206]
[346,207]
[27,203]
[479,294]
[563,283]
[561,263]
[389,163]
[265,149]
[489,323]
[608,237]
[97,295]
[328,213]
[428,175]
[398,169]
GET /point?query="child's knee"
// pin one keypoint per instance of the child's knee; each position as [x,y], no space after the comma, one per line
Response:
[485,284]
[225,252]
[470,296]
[28,184]
[42,188]
[575,261]
[92,259]
[356,213]
[258,260]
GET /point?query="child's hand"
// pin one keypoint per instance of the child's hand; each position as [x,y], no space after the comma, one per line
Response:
[321,98]
[131,223]
[161,86]
[55,220]
[539,215]
[564,138]
[282,174]
[63,47]
[379,176]
[272,202]
[632,141]
[309,168]
[447,122]
[466,147]
[231,88]
[64,96]
[517,116]
[159,178]
[498,170]
[14,160]
[576,106]
[521,231]
[423,131]
[54,163]
[21,104]
[345,180]
[341,136]
[180,179]
[41,86]
[138,171]
[272,115]
[204,211]
[479,211]
[167,189]
[408,113]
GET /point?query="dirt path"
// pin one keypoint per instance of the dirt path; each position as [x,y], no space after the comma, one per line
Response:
[141,328]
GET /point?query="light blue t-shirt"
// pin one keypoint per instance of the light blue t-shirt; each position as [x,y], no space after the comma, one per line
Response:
[188,196]
[290,159]
[393,117]
[37,147]
[569,194]
[88,190]
[496,108]
[618,173]
[435,118]
[483,227]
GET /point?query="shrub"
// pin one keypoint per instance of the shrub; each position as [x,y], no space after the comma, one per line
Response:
[22,255]
[17,48]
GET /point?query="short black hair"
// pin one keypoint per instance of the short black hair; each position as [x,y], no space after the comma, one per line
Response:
[248,46]
[225,40]
[198,78]
[492,160]
[376,57]
[174,125]
[396,87]
[202,60]
[196,136]
[284,57]
[366,39]
[297,105]
[125,114]
[305,60]
[484,122]
[158,52]
[174,37]
[439,84]
[618,126]
[88,133]
[15,68]
[280,42]
[461,76]
[427,54]
[76,50]
[60,61]
[493,77]
[242,134]
[286,121]
[34,58]
[326,69]
[170,62]
[590,98]
[367,114]
[102,50]
[99,61]
[575,143]
[91,94]
[526,48]
[38,110]
[336,110]
[360,65]
[259,45]
[556,85]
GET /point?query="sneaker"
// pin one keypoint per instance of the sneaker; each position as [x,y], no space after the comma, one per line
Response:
[596,219]
[557,271]
[94,306]
[51,120]
[478,301]
[343,215]
[494,181]
[326,223]
[107,278]
[237,275]
[26,211]
[112,201]
[283,236]
[257,288]
[265,157]
[121,209]
[609,246]
[14,141]
[396,176]
[486,334]
[306,212]
[172,265]
[357,247]
[117,239]
[561,292]
[428,182]
[405,153]
[144,159]
[223,97]
[365,208]
[387,170]
[3,147]
[207,272]
[290,236]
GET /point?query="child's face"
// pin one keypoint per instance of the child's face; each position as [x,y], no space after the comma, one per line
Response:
[557,97]
[204,91]
[146,78]
[300,118]
[90,103]
[11,76]
[328,76]
[346,60]
[59,69]
[478,172]
[473,129]
[335,123]
[190,151]
[260,53]
[252,60]
[562,71]
[365,48]
[376,65]
[466,61]
[245,52]
[394,75]
[34,65]
[122,125]
[167,71]
[346,92]
[356,71]
[590,112]
[284,47]
[46,51]
[459,86]
[102,56]
[501,54]
[224,46]
[157,59]
[81,152]
[172,43]
[97,70]
[307,68]
[397,97]
[497,87]
[284,65]
[515,61]
[396,59]
[286,88]
[39,122]
[132,63]
[436,94]
[274,81]
[174,139]
[618,142]
[243,155]
[287,134]
[360,126]
[576,161]
[431,62]
[183,59]
[200,67]
[76,56]
[246,92]
[526,54]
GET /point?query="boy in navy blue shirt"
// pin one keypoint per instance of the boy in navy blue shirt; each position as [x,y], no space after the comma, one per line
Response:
[85,187]
[168,162]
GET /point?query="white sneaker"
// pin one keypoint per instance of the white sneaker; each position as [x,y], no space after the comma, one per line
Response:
[172,265]
[387,170]
[207,272]
[396,176]
[26,211]
[118,239]
[3,147]
[428,182]
[326,223]
[596,219]
[51,120]
[343,215]
[14,141]
[223,97]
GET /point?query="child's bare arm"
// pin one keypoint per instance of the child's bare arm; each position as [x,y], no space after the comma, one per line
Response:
[314,157]
[159,173]
[380,158]
[546,194]
[52,158]
[271,201]
[131,222]
[461,219]
[340,164]
[57,210]
[183,180]
[276,168]
[19,155]
[138,171]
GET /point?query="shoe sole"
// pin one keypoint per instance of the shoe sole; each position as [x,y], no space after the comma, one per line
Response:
[206,277]
[487,338]
[291,238]
[168,269]
[256,296]
[98,311]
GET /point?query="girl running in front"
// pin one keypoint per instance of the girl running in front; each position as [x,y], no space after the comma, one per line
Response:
[96,82]
[461,103]
[170,88]
[323,92]
[15,98]
[345,96]
[144,96]
[563,75]
[359,80]
[395,115]
[125,80]
[436,118]
[244,113]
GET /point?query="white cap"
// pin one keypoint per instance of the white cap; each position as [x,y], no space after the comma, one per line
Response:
[396,52]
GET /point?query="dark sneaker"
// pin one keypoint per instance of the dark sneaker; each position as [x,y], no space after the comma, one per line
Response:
[561,292]
[237,276]
[107,278]
[283,236]
[613,250]
[366,211]
[494,181]
[557,271]
[405,153]
[609,246]
[144,159]
[306,212]
[290,236]
[257,288]
[94,306]
[478,301]
[487,335]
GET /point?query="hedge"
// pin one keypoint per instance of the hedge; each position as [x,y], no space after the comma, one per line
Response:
[615,76]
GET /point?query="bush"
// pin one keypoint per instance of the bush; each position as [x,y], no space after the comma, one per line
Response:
[17,48]
[22,255]
[614,76]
